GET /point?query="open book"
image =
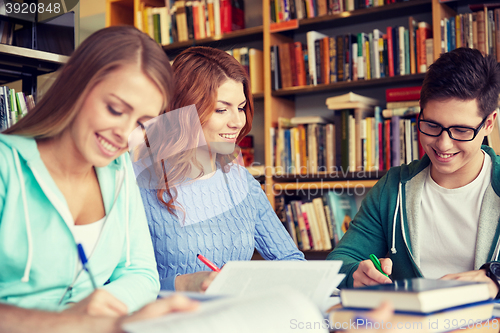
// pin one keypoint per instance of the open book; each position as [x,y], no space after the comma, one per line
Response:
[259,296]
[315,279]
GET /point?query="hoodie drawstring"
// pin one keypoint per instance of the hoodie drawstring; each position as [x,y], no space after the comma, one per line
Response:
[127,233]
[399,207]
[26,276]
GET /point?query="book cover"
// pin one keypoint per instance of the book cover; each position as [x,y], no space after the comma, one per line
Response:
[353,97]
[344,209]
[417,295]
[256,59]
[402,94]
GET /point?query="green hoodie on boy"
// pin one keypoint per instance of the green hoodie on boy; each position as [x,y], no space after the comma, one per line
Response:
[387,222]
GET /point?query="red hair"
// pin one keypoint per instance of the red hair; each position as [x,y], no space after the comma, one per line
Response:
[198,74]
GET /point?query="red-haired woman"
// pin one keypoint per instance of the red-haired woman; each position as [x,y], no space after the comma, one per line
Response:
[207,204]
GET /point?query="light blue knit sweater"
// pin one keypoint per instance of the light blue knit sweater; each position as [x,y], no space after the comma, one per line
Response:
[227,217]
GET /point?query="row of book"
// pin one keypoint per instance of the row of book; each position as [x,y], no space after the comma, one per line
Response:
[253,61]
[188,20]
[286,10]
[326,59]
[479,30]
[13,106]
[355,138]
[319,224]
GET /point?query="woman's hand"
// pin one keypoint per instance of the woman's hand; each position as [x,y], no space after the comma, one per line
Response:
[99,303]
[368,275]
[198,281]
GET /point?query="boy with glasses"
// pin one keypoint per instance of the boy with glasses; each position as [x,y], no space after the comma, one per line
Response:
[437,217]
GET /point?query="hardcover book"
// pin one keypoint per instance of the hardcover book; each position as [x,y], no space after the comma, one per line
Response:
[417,295]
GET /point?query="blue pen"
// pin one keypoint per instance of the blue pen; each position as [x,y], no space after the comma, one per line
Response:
[83,259]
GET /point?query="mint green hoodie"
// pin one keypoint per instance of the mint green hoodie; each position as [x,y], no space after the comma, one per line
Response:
[396,198]
[38,254]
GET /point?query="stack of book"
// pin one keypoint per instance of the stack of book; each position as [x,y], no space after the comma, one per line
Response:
[319,224]
[423,304]
[187,20]
[402,110]
[327,59]
[359,137]
[13,106]
[304,145]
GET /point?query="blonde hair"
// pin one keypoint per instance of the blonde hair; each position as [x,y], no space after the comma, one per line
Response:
[99,55]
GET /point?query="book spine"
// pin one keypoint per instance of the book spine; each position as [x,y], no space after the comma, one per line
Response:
[333,59]
[325,59]
[293,64]
[390,51]
[226,16]
[299,64]
[317,53]
[402,94]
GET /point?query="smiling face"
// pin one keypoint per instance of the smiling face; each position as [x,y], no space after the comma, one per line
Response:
[455,163]
[112,109]
[224,125]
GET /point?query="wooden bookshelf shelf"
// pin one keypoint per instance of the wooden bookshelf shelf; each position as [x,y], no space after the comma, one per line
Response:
[324,185]
[19,63]
[389,81]
[244,35]
[330,176]
[397,9]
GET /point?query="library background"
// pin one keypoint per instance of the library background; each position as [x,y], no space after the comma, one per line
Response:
[335,83]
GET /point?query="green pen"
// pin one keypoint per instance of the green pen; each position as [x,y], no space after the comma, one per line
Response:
[377,264]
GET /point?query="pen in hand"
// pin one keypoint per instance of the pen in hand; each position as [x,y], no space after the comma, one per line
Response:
[377,264]
[207,262]
[83,259]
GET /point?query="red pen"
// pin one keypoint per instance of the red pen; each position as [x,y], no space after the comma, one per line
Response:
[208,263]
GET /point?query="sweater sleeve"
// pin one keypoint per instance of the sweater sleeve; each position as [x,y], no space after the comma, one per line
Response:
[364,236]
[272,240]
[135,281]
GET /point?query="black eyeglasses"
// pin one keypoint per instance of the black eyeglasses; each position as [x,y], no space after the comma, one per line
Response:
[458,133]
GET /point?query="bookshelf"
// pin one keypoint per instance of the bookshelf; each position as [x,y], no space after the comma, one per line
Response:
[32,51]
[310,100]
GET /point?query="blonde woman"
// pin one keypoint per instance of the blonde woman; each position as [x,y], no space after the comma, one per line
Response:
[64,180]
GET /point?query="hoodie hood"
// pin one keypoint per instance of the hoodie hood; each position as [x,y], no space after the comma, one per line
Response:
[25,152]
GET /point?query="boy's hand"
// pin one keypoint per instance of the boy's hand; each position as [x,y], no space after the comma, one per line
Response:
[368,275]
[479,275]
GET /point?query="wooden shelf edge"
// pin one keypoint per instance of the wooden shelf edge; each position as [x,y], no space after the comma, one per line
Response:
[365,11]
[305,22]
[347,84]
[231,35]
[42,56]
